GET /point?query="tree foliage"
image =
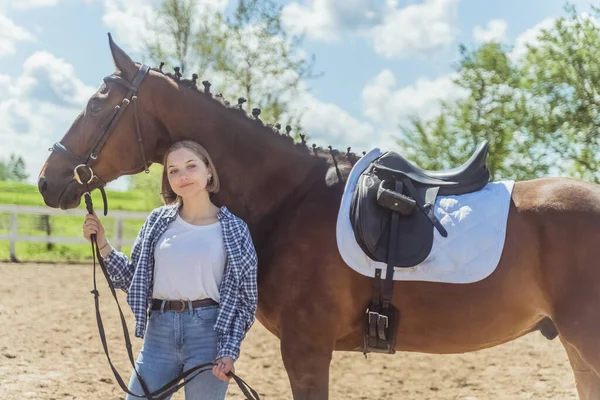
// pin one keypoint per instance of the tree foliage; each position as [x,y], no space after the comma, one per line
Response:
[249,52]
[14,169]
[541,113]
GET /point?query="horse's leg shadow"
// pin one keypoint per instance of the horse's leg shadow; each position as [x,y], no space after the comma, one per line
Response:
[586,379]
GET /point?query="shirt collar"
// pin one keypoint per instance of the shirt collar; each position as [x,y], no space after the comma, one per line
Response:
[171,211]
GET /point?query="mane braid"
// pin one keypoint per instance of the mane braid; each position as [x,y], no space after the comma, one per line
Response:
[236,109]
[337,169]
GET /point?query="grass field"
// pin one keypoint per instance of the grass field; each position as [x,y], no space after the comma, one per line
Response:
[32,225]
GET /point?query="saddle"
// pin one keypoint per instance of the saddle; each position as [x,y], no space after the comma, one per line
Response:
[392,216]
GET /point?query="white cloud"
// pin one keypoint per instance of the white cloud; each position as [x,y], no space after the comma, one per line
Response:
[37,107]
[57,77]
[417,29]
[389,106]
[11,33]
[30,4]
[327,19]
[129,21]
[385,106]
[328,124]
[132,21]
[529,37]
[494,31]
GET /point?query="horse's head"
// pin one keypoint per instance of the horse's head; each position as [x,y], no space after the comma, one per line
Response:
[105,141]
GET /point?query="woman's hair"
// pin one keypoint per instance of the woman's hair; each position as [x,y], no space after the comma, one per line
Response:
[212,186]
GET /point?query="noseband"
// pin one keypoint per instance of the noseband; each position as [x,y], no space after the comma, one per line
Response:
[84,164]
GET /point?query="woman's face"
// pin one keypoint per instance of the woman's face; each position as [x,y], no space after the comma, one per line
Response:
[187,173]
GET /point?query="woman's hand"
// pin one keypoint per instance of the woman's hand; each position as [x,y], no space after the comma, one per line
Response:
[92,225]
[224,366]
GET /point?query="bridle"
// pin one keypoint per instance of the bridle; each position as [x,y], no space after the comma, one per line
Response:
[81,163]
[109,124]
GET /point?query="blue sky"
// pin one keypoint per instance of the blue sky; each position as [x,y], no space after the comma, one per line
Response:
[382,60]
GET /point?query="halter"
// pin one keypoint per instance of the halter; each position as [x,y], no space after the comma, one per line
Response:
[83,163]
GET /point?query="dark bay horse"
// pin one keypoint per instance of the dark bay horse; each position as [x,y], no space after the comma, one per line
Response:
[548,277]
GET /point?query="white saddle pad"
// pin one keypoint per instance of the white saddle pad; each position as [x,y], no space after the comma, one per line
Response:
[476,225]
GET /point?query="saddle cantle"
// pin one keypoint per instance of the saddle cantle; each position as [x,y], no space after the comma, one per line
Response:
[463,179]
[392,216]
[393,184]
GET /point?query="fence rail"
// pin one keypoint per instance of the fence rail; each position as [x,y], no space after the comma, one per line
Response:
[13,237]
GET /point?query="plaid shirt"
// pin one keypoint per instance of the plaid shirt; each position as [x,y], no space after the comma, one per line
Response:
[238,291]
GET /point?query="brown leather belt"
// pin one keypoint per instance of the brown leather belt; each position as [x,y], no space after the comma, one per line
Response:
[181,305]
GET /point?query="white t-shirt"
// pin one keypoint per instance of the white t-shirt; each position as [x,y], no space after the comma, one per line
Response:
[189,261]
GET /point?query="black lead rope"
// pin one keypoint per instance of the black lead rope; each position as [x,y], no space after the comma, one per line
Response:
[172,386]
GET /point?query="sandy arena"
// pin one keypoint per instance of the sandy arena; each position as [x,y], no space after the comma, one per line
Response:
[50,349]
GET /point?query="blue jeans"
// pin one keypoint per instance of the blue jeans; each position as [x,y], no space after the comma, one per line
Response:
[174,343]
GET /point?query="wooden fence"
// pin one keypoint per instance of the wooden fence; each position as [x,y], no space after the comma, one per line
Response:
[13,237]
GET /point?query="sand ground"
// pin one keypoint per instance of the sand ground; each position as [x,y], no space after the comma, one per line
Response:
[50,349]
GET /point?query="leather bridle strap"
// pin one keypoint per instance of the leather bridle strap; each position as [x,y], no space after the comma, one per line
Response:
[139,132]
[111,122]
[107,127]
[120,109]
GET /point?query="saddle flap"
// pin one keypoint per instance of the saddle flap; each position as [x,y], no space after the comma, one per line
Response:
[371,225]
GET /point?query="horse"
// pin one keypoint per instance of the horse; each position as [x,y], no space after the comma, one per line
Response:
[547,279]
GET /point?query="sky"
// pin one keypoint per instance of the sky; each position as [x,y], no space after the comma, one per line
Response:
[382,61]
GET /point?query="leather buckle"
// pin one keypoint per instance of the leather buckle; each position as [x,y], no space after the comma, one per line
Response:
[383,317]
[183,304]
[373,314]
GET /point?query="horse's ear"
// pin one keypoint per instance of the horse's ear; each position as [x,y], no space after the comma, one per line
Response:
[122,61]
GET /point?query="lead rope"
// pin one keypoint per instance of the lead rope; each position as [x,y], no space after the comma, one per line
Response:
[172,386]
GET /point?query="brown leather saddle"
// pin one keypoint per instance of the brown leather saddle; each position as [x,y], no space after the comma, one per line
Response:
[392,216]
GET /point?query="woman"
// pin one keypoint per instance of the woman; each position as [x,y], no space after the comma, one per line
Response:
[193,269]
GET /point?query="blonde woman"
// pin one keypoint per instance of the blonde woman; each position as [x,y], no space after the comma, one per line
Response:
[193,271]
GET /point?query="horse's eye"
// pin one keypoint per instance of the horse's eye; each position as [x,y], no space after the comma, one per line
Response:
[95,108]
[103,89]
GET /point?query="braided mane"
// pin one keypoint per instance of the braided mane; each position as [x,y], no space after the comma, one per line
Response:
[332,156]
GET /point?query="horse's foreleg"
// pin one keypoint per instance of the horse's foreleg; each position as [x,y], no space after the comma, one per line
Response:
[587,381]
[307,356]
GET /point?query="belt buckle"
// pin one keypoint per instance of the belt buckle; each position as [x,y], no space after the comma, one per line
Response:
[183,304]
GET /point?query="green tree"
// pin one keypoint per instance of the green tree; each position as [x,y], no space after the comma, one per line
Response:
[563,76]
[493,107]
[250,50]
[14,169]
[541,114]
[150,185]
[16,164]
[187,32]
[4,172]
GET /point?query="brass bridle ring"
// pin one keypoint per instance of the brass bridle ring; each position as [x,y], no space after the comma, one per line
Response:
[78,178]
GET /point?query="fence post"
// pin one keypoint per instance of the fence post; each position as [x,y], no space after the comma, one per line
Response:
[119,233]
[13,236]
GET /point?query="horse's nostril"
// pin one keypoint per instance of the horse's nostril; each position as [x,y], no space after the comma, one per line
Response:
[42,185]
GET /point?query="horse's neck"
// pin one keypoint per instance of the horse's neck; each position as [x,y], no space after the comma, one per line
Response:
[259,172]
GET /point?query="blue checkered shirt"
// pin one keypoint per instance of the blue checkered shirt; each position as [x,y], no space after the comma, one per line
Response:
[238,291]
